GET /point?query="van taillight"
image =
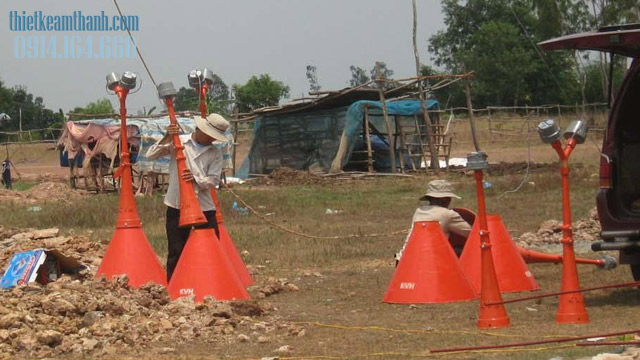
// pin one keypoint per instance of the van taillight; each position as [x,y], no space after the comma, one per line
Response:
[605,172]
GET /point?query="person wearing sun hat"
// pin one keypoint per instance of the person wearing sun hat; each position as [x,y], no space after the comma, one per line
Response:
[204,167]
[439,194]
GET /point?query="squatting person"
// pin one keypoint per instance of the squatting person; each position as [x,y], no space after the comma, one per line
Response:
[439,194]
[204,166]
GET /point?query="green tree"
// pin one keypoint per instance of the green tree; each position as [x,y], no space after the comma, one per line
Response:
[18,103]
[380,69]
[186,99]
[358,76]
[98,107]
[259,92]
[496,39]
[312,76]
[218,98]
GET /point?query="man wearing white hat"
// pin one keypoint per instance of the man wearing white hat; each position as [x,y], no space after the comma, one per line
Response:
[439,194]
[204,166]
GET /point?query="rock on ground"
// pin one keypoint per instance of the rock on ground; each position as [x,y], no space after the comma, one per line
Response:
[81,316]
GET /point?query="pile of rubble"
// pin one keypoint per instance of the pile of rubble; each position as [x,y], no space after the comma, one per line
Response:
[284,176]
[44,177]
[46,191]
[627,353]
[79,316]
[550,231]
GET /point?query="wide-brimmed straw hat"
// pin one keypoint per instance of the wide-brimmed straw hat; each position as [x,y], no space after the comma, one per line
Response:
[214,125]
[439,189]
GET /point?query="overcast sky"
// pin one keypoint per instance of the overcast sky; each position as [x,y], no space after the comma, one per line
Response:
[236,39]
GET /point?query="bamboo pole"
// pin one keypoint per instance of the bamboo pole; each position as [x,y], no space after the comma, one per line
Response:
[424,155]
[490,126]
[474,135]
[235,145]
[406,147]
[427,122]
[383,104]
[368,137]
[400,151]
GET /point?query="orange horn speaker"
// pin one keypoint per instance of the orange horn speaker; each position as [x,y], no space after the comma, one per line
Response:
[190,212]
[129,252]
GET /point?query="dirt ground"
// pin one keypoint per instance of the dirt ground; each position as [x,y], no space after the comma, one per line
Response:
[313,298]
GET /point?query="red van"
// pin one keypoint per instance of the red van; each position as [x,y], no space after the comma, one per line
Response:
[618,199]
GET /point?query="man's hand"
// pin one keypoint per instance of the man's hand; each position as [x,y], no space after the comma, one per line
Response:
[173,130]
[187,176]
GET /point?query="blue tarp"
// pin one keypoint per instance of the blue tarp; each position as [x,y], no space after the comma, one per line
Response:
[353,119]
[150,130]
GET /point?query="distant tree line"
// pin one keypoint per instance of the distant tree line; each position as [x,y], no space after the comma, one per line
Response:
[17,101]
[496,40]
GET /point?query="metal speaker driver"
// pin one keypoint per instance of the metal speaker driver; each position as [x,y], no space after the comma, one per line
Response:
[166,89]
[113,79]
[549,131]
[128,80]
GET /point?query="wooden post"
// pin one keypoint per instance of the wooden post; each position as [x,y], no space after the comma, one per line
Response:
[368,139]
[474,135]
[490,126]
[235,144]
[424,156]
[400,152]
[435,163]
[383,104]
[406,147]
[559,113]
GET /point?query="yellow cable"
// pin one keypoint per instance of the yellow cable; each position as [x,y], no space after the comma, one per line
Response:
[424,331]
[423,355]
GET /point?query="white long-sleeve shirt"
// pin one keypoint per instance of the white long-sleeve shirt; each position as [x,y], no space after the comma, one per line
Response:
[205,163]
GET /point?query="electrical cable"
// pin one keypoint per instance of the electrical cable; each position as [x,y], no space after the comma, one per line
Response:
[279,227]
[555,79]
[126,26]
[422,355]
[540,342]
[526,175]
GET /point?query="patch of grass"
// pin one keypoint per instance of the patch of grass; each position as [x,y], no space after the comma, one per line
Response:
[21,185]
[356,271]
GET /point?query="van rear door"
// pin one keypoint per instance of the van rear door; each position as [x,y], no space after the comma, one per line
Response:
[619,39]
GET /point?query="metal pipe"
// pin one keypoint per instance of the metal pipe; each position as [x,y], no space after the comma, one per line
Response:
[615,245]
[610,234]
[550,341]
[535,257]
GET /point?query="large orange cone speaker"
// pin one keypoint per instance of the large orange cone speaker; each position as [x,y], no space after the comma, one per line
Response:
[204,270]
[429,271]
[129,252]
[512,272]
[228,246]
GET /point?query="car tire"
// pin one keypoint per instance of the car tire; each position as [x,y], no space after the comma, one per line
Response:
[635,271]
